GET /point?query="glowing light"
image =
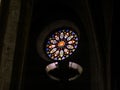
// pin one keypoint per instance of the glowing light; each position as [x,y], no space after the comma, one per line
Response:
[61,44]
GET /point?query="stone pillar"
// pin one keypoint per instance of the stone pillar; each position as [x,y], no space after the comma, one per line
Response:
[8,44]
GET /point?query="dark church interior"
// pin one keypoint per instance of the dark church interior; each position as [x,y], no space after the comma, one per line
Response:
[59,44]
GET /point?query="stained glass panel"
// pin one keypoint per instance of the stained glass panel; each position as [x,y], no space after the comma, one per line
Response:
[61,44]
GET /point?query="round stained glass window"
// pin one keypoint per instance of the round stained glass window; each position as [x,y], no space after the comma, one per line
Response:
[61,44]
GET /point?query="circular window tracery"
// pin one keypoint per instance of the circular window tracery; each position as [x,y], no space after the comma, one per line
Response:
[58,41]
[61,44]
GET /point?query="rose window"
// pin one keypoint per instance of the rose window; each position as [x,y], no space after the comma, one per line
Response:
[61,44]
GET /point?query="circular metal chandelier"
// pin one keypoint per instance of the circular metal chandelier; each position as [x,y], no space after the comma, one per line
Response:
[72,67]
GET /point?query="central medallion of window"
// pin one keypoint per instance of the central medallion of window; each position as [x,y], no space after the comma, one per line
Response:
[61,44]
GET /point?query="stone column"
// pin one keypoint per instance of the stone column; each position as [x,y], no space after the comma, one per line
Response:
[8,45]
